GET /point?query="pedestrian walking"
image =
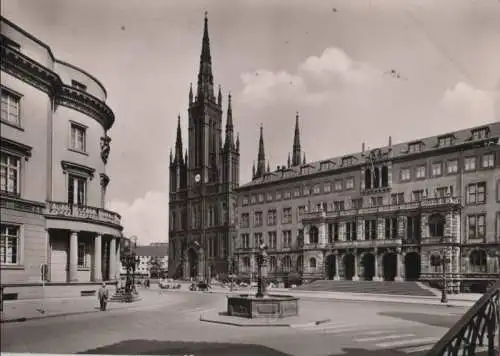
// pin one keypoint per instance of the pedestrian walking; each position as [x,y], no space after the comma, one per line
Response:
[103,295]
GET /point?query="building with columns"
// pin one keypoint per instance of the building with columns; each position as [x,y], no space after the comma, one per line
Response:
[202,182]
[389,213]
[54,150]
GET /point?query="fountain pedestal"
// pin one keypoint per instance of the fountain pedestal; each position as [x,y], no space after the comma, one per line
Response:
[262,305]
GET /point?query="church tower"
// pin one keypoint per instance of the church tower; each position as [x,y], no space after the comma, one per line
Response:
[202,185]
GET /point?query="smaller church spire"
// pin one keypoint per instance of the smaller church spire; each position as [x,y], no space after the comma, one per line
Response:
[190,93]
[296,143]
[186,157]
[304,161]
[289,161]
[261,157]
[205,77]
[219,97]
[171,156]
[238,142]
[178,141]
[253,170]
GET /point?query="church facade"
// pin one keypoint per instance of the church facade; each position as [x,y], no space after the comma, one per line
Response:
[203,180]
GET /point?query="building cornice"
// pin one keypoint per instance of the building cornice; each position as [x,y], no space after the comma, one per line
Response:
[33,73]
[77,168]
[15,147]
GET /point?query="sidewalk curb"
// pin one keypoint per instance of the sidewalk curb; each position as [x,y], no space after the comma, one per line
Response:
[280,325]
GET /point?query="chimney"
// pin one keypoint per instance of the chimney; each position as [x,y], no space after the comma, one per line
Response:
[390,141]
[363,147]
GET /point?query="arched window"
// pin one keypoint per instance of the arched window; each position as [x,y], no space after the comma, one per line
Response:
[312,263]
[300,264]
[286,264]
[435,263]
[436,225]
[477,261]
[313,235]
[272,263]
[368,178]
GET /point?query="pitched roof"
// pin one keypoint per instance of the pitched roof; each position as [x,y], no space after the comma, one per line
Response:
[395,151]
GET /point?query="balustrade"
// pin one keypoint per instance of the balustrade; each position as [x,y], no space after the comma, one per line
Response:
[82,212]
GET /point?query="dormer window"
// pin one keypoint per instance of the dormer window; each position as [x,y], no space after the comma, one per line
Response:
[324,166]
[480,134]
[305,170]
[347,161]
[415,147]
[445,141]
[77,85]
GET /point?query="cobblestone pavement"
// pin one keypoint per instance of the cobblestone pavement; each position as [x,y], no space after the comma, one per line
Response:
[174,329]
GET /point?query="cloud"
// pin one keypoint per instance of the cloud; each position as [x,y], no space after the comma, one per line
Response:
[466,102]
[312,83]
[146,217]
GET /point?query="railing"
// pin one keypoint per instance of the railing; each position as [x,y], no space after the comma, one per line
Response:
[82,212]
[475,330]
[424,203]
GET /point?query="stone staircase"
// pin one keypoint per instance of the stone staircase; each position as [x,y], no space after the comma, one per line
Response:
[121,297]
[371,287]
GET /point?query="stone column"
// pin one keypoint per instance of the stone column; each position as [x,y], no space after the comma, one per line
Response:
[389,174]
[112,258]
[342,229]
[337,257]
[376,276]
[73,256]
[322,238]
[118,259]
[360,231]
[97,267]
[380,228]
[356,261]
[398,266]
[379,177]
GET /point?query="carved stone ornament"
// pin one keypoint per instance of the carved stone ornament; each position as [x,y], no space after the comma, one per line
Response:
[105,148]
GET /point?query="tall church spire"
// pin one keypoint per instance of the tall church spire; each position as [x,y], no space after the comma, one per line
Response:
[205,77]
[296,143]
[178,142]
[229,143]
[261,157]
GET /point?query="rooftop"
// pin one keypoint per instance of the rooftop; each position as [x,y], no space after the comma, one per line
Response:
[390,151]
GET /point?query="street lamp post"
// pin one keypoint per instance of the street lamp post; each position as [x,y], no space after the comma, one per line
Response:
[261,260]
[445,260]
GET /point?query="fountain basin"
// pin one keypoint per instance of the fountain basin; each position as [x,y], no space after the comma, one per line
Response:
[270,306]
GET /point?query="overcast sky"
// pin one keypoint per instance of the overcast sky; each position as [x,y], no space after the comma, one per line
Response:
[276,58]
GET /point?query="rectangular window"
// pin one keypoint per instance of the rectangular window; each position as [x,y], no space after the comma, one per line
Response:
[349,183]
[338,205]
[452,166]
[287,216]
[405,174]
[300,213]
[480,134]
[391,228]
[415,147]
[77,137]
[253,199]
[420,172]
[272,239]
[327,188]
[278,195]
[316,189]
[257,237]
[351,233]
[9,244]
[357,203]
[498,226]
[442,192]
[296,193]
[245,201]
[476,226]
[470,164]
[82,255]
[271,217]
[413,228]
[337,185]
[445,141]
[245,240]
[77,85]
[417,195]
[397,198]
[437,169]
[261,198]
[305,170]
[77,190]
[488,160]
[333,232]
[370,229]
[347,161]
[245,220]
[269,196]
[11,108]
[287,238]
[10,174]
[377,201]
[258,218]
[306,191]
[476,193]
